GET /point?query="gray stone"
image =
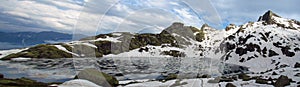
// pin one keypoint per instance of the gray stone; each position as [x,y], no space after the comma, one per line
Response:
[98,77]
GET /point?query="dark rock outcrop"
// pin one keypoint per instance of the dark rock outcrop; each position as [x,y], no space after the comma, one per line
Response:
[230,85]
[297,65]
[267,17]
[1,76]
[282,81]
[173,53]
[244,77]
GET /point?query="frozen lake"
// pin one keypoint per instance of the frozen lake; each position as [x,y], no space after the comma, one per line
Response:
[60,70]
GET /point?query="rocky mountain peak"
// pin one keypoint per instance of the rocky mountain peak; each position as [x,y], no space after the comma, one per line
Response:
[268,17]
[177,28]
[177,25]
[272,18]
[206,27]
[230,26]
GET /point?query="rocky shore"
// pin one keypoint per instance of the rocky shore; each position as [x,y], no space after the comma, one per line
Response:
[22,82]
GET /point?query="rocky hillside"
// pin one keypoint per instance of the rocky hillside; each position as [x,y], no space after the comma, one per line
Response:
[177,36]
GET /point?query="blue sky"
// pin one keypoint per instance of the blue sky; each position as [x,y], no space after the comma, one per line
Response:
[103,16]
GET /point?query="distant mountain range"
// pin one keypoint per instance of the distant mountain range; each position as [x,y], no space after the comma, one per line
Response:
[24,39]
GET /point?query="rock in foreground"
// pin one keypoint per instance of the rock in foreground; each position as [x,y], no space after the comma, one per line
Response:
[98,77]
[282,81]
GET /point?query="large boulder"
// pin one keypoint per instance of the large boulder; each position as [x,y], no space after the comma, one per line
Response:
[97,77]
[282,81]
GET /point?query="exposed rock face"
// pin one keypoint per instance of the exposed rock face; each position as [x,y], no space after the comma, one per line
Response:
[282,81]
[267,17]
[98,77]
[272,18]
[184,32]
[297,65]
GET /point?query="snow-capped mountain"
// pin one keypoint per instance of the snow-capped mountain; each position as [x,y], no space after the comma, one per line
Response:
[268,44]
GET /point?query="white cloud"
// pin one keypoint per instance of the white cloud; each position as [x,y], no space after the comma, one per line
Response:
[239,11]
[42,15]
[103,16]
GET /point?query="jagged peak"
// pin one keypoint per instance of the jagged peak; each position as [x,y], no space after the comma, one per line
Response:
[272,18]
[268,17]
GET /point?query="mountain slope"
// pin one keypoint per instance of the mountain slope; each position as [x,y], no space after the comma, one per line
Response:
[264,45]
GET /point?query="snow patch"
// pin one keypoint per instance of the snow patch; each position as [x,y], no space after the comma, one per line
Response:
[8,52]
[78,83]
[64,49]
[112,39]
